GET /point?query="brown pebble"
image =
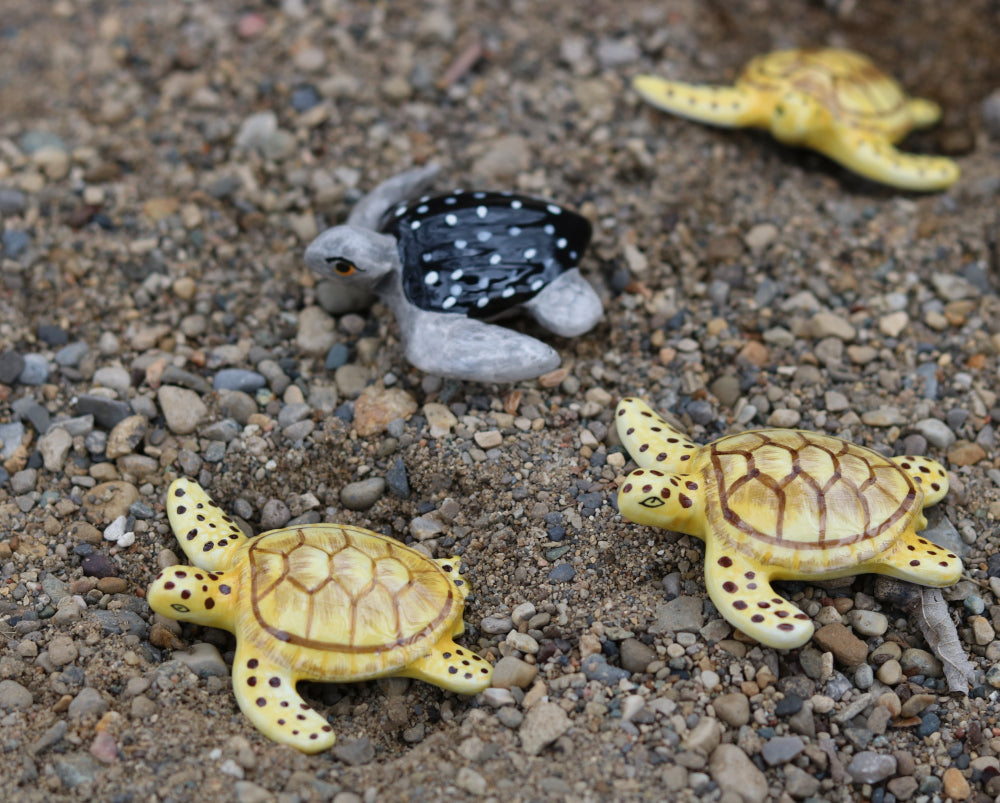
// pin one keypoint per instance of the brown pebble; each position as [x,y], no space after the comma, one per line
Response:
[160,637]
[62,705]
[377,407]
[955,785]
[964,453]
[82,585]
[916,704]
[112,585]
[847,648]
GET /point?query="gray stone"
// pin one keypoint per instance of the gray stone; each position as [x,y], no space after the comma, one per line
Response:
[681,615]
[424,527]
[867,623]
[496,625]
[87,702]
[543,724]
[870,767]
[562,573]
[62,651]
[636,656]
[75,769]
[732,708]
[936,432]
[121,621]
[183,409]
[10,436]
[781,749]
[13,696]
[238,379]
[51,737]
[397,479]
[355,751]
[54,446]
[511,672]
[237,405]
[35,371]
[363,494]
[204,660]
[946,535]
[274,514]
[736,775]
[107,412]
[920,662]
[799,783]
[596,667]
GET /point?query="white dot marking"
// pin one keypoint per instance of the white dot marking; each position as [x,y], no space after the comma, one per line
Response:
[451,220]
[514,231]
[431,278]
[456,290]
[553,209]
[483,236]
[495,259]
[415,225]
[561,242]
[461,243]
[450,201]
[456,274]
[537,284]
[483,301]
[515,204]
[530,253]
[478,195]
[508,292]
[480,211]
[400,210]
[422,209]
[448,303]
[549,229]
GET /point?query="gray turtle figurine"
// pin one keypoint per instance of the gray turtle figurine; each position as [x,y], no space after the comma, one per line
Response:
[448,263]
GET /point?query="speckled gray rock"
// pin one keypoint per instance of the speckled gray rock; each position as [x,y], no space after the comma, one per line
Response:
[204,660]
[681,615]
[636,656]
[596,667]
[870,767]
[543,724]
[88,702]
[736,775]
[54,445]
[511,672]
[781,749]
[13,696]
[183,409]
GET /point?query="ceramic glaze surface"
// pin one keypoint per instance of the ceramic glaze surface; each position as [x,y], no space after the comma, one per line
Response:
[482,253]
[834,101]
[322,602]
[780,504]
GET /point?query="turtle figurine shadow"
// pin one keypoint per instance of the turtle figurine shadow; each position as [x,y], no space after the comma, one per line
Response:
[834,101]
[447,264]
[323,602]
[782,504]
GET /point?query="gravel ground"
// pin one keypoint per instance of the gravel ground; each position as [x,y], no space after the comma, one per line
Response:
[162,167]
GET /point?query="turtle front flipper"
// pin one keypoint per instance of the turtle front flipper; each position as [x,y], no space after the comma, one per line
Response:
[266,693]
[650,440]
[741,590]
[730,107]
[920,561]
[208,536]
[876,159]
[463,348]
[401,187]
[929,475]
[451,667]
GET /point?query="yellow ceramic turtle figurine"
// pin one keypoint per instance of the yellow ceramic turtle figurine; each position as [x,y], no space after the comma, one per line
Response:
[834,101]
[324,602]
[782,504]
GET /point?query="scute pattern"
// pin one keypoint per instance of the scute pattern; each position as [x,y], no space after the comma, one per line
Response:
[795,488]
[328,593]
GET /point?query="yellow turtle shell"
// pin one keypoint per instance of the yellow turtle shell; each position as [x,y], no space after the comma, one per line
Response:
[782,504]
[324,602]
[355,604]
[834,101]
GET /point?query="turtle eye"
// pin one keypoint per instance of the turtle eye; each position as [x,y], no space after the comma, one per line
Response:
[652,501]
[180,608]
[341,266]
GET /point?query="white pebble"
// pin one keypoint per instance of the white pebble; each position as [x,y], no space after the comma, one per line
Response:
[116,529]
[126,539]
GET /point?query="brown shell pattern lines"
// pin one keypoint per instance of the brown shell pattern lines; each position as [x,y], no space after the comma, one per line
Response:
[806,491]
[848,85]
[339,592]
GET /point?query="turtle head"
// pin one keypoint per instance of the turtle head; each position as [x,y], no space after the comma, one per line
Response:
[796,117]
[193,595]
[353,255]
[670,501]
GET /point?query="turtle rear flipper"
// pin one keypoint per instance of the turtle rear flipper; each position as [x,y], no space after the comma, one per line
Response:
[876,159]
[928,474]
[725,106]
[266,694]
[568,306]
[920,561]
[209,536]
[451,667]
[743,594]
